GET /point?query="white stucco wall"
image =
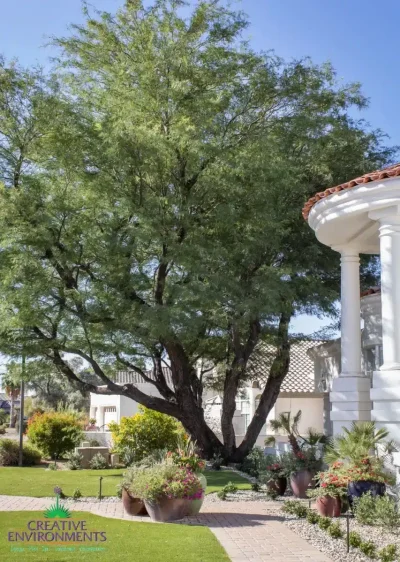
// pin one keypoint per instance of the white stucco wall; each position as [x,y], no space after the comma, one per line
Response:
[312,411]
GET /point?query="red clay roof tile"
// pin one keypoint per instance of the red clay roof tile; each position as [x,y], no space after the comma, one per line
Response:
[390,172]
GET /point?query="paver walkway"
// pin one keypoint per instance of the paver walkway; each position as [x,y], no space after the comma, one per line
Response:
[249,531]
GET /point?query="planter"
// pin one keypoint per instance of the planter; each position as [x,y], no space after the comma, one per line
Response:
[167,509]
[279,485]
[358,489]
[328,506]
[132,506]
[194,506]
[299,482]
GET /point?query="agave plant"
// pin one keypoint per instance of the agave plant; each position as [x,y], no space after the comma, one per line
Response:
[356,443]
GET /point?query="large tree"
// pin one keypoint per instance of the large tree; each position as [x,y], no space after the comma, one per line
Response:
[151,207]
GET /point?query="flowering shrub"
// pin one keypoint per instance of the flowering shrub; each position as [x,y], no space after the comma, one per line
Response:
[191,461]
[163,480]
[306,459]
[369,468]
[332,483]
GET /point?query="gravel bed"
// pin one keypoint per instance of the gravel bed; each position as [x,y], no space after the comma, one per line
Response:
[239,496]
[334,548]
[106,499]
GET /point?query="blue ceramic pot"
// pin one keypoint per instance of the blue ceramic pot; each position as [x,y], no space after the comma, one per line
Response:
[358,489]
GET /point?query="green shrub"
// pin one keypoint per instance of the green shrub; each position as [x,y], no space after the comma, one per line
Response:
[145,432]
[379,510]
[55,433]
[217,461]
[335,531]
[2,429]
[231,488]
[9,453]
[355,539]
[388,553]
[4,416]
[255,462]
[312,517]
[255,486]
[77,494]
[222,494]
[94,443]
[74,460]
[324,523]
[98,462]
[368,548]
[295,508]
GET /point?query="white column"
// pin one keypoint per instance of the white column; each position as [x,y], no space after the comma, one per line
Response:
[389,234]
[100,417]
[350,391]
[350,313]
[92,414]
[385,393]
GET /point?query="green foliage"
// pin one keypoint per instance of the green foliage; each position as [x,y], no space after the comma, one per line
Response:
[324,523]
[74,460]
[76,494]
[255,462]
[55,433]
[98,462]
[217,461]
[222,494]
[3,429]
[94,443]
[255,486]
[306,459]
[288,425]
[388,553]
[368,548]
[379,510]
[356,443]
[312,517]
[155,216]
[9,453]
[231,488]
[145,432]
[160,480]
[335,531]
[4,416]
[295,507]
[355,539]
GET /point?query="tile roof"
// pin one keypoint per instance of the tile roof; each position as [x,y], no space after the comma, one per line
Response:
[300,377]
[390,172]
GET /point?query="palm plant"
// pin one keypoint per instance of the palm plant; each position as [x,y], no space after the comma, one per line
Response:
[290,426]
[356,443]
[12,389]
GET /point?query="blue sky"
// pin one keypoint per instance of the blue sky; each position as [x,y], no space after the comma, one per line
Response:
[360,38]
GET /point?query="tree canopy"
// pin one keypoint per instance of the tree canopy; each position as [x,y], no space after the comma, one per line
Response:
[150,211]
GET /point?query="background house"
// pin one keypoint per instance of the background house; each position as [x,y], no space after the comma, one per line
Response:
[299,391]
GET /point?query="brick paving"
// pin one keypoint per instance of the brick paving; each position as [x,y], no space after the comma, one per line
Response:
[249,531]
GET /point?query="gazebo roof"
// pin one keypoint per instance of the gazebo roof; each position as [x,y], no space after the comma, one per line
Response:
[390,172]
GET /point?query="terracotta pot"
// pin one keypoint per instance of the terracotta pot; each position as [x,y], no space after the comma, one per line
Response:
[328,506]
[132,506]
[167,509]
[299,482]
[278,485]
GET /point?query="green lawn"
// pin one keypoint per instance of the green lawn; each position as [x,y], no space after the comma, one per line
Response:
[125,540]
[38,482]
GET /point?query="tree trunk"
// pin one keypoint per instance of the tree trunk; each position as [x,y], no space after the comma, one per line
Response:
[12,410]
[278,371]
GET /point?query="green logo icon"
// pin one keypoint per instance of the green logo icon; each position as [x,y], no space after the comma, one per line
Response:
[57,510]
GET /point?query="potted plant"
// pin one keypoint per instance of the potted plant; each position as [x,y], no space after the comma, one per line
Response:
[331,491]
[132,505]
[166,490]
[367,476]
[274,476]
[92,425]
[191,461]
[301,467]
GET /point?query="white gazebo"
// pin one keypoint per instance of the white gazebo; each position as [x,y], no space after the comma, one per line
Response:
[362,216]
